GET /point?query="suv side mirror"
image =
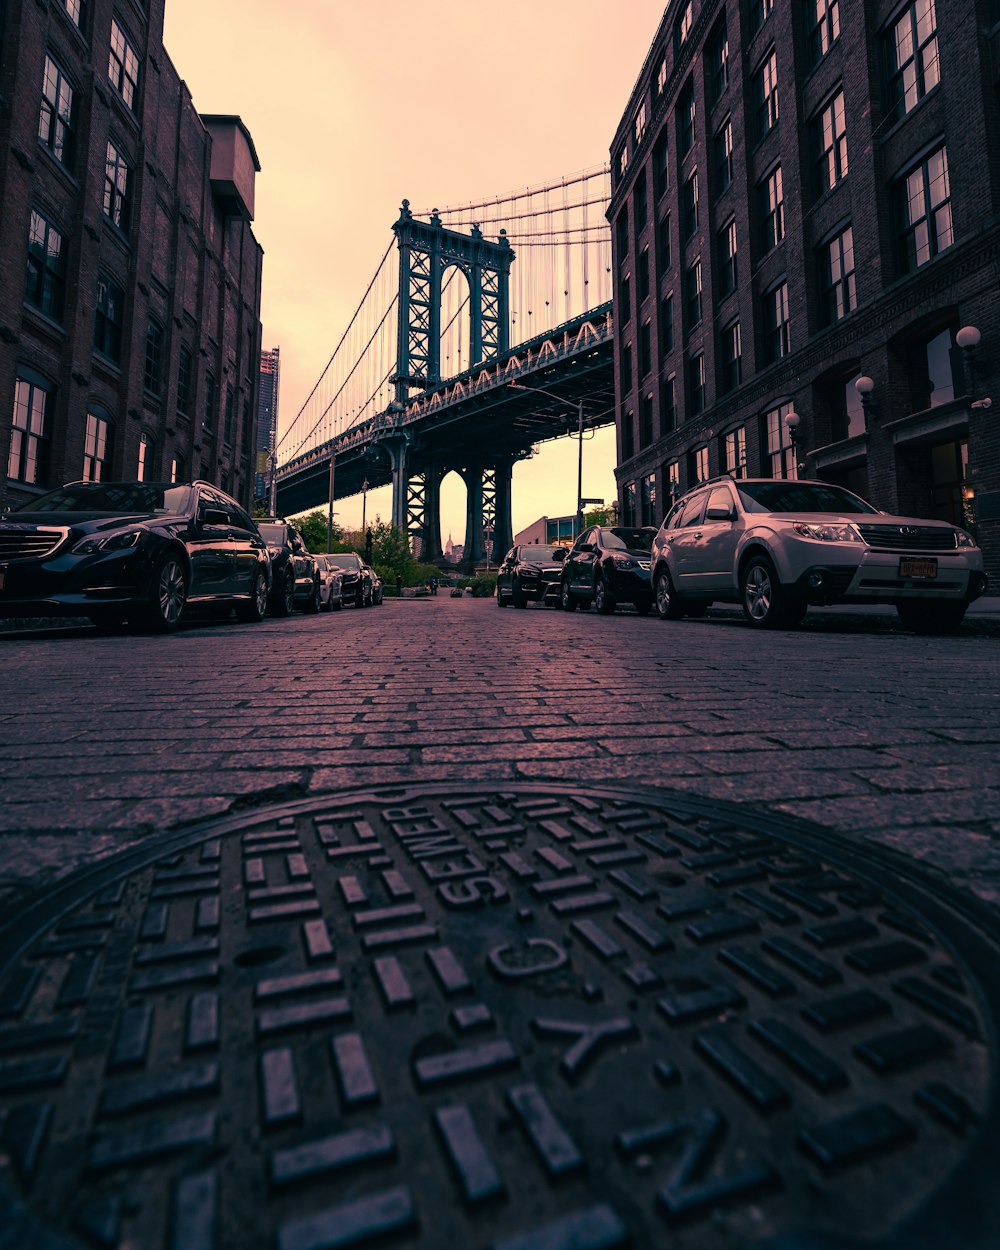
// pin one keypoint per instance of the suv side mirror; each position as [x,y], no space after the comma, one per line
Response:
[559,554]
[721,514]
[214,516]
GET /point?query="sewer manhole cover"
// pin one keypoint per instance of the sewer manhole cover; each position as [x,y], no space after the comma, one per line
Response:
[526,1020]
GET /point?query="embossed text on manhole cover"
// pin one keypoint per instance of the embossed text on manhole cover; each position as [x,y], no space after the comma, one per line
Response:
[529,1020]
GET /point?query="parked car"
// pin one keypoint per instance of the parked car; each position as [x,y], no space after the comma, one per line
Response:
[331,584]
[778,546]
[357,578]
[530,573]
[608,565]
[145,552]
[294,574]
[456,592]
[376,589]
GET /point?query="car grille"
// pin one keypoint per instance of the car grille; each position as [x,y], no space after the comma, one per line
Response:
[908,537]
[643,564]
[28,542]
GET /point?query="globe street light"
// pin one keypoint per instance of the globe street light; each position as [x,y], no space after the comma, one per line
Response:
[540,390]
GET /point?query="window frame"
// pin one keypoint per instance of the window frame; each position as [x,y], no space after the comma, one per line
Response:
[117,187]
[832,164]
[57,119]
[45,279]
[824,30]
[765,89]
[897,86]
[98,446]
[772,210]
[909,229]
[777,322]
[122,55]
[840,291]
[107,326]
[30,446]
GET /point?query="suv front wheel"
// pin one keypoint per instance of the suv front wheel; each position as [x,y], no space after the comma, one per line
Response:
[566,600]
[668,605]
[766,603]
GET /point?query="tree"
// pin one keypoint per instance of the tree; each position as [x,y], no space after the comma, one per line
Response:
[391,556]
[313,528]
[600,516]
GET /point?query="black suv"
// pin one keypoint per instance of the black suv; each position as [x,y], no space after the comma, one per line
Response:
[294,572]
[530,571]
[608,565]
[357,577]
[136,551]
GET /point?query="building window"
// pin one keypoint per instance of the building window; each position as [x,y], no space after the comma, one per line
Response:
[648,502]
[176,469]
[229,427]
[766,95]
[840,290]
[153,373]
[628,435]
[718,65]
[667,324]
[97,449]
[934,371]
[108,318]
[831,143]
[693,298]
[824,31]
[847,414]
[760,11]
[732,358]
[76,10]
[686,119]
[625,301]
[640,123]
[117,201]
[926,210]
[724,156]
[661,77]
[689,206]
[777,328]
[645,350]
[780,453]
[698,465]
[145,458]
[639,205]
[45,286]
[663,254]
[646,421]
[626,368]
[772,211]
[628,504]
[673,481]
[184,376]
[621,232]
[208,412]
[914,67]
[728,275]
[28,459]
[734,451]
[643,274]
[682,27]
[696,384]
[123,65]
[57,118]
[668,404]
[661,165]
[623,161]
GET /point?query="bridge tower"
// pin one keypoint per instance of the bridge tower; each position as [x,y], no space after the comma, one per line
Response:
[426,251]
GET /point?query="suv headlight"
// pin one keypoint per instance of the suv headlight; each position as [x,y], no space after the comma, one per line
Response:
[962,539]
[622,562]
[112,542]
[827,532]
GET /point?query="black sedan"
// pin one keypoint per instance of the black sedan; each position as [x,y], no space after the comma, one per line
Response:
[530,573]
[357,578]
[608,565]
[137,551]
[295,577]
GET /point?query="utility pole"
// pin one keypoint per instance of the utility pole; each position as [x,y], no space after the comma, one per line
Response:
[364,505]
[579,470]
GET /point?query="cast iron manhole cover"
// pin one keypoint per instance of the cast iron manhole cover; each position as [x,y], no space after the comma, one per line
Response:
[527,1020]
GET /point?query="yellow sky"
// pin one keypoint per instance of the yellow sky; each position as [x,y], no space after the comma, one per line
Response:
[353,107]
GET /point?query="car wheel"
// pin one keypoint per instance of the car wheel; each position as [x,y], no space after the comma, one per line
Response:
[501,601]
[766,603]
[283,603]
[566,600]
[517,596]
[930,618]
[668,604]
[167,595]
[312,604]
[256,607]
[603,599]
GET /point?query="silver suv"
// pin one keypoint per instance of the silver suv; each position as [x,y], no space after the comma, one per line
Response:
[778,546]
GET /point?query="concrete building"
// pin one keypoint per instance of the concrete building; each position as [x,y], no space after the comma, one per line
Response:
[549,530]
[806,220]
[267,422]
[130,278]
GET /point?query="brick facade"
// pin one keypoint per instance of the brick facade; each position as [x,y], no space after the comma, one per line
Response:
[846,144]
[166,247]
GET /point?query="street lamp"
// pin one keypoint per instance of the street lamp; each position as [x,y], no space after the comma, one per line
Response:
[540,390]
[364,504]
[792,423]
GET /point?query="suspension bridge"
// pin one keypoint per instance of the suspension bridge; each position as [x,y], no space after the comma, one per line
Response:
[485,330]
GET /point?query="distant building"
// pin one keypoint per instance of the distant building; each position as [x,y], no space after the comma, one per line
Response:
[267,421]
[554,531]
[805,220]
[130,279]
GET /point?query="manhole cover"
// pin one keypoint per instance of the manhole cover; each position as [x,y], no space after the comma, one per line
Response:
[530,1020]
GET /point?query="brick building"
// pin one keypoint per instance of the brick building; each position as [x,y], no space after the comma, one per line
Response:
[130,278]
[806,219]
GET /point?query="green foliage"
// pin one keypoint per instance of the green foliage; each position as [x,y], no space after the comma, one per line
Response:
[483,586]
[313,527]
[600,516]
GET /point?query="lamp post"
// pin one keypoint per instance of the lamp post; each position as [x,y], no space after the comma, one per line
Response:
[364,504]
[540,390]
[792,423]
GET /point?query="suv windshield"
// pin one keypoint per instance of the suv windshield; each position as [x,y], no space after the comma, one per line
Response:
[538,555]
[276,535]
[347,561]
[124,498]
[781,496]
[619,539]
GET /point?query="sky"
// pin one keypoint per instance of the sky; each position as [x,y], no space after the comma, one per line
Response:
[353,107]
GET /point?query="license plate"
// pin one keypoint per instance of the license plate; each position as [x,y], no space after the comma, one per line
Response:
[909,567]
